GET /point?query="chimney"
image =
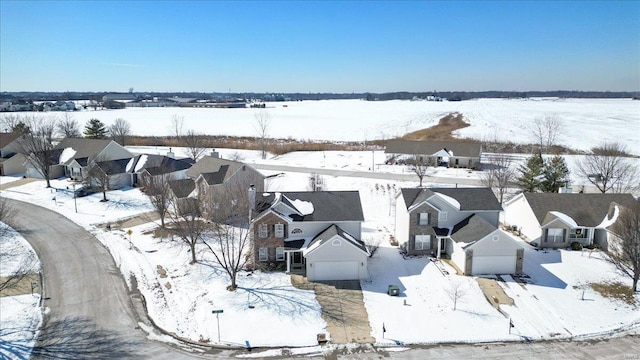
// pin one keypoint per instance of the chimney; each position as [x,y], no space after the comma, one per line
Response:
[171,154]
[252,197]
[214,153]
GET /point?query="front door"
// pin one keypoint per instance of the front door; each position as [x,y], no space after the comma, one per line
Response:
[297,262]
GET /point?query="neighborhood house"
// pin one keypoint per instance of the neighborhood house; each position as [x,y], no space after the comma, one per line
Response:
[316,234]
[464,154]
[553,220]
[461,224]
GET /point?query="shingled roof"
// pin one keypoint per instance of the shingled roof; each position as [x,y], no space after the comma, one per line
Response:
[113,167]
[327,205]
[426,147]
[330,232]
[84,148]
[471,229]
[470,199]
[182,188]
[585,209]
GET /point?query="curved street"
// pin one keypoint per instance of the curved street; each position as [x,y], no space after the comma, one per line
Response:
[90,313]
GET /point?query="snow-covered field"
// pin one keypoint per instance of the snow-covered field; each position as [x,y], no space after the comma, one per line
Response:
[282,315]
[586,122]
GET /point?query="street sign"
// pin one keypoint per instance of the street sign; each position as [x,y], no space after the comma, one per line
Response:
[216,311]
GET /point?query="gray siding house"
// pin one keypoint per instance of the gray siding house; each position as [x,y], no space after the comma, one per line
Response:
[464,154]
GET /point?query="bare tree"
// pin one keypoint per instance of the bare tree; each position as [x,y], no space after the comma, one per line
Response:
[98,176]
[262,126]
[68,127]
[177,123]
[37,144]
[419,167]
[457,291]
[624,250]
[120,130]
[609,168]
[159,192]
[498,175]
[9,122]
[194,143]
[230,239]
[545,131]
[187,224]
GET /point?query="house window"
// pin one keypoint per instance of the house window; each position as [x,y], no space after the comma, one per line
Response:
[457,162]
[279,228]
[423,242]
[296,231]
[263,254]
[336,242]
[279,254]
[555,235]
[443,216]
[263,230]
[423,219]
[578,233]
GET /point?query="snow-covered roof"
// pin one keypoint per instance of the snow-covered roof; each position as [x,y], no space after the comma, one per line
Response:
[451,201]
[564,218]
[66,155]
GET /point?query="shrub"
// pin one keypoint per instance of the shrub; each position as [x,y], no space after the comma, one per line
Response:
[576,246]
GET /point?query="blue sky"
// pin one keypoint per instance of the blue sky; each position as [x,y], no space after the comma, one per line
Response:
[319,46]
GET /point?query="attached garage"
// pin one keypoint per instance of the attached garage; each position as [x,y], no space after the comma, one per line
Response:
[493,265]
[495,253]
[335,270]
[336,255]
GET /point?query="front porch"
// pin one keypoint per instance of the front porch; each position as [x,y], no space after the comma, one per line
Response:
[296,264]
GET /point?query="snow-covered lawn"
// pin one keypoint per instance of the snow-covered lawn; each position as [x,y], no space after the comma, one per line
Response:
[558,299]
[282,315]
[21,315]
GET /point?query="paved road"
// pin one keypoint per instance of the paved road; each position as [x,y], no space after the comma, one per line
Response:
[90,313]
[367,174]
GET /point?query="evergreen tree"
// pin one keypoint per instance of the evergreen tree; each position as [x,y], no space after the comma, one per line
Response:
[95,129]
[556,174]
[531,174]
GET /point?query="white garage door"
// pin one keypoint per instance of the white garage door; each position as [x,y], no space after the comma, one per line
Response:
[493,265]
[335,270]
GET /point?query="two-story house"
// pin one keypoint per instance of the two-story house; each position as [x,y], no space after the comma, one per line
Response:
[317,234]
[215,177]
[457,223]
[553,220]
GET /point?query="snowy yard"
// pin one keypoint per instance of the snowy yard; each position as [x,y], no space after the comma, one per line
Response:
[181,296]
[20,316]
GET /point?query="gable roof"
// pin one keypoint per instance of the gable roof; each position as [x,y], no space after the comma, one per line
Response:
[585,209]
[471,229]
[8,138]
[329,233]
[84,148]
[470,199]
[210,164]
[413,147]
[113,167]
[328,206]
[168,165]
[182,188]
[217,177]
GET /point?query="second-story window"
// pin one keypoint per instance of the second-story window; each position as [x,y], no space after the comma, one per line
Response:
[279,229]
[263,230]
[443,216]
[423,219]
